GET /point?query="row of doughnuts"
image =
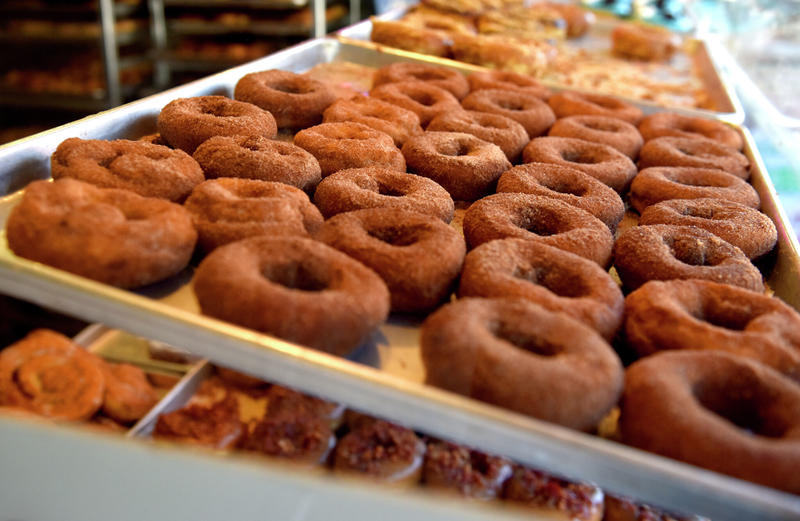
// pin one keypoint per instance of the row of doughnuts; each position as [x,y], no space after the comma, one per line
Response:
[262,292]
[234,412]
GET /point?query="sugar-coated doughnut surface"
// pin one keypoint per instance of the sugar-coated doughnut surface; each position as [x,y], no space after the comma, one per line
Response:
[694,152]
[383,116]
[467,167]
[425,100]
[545,220]
[109,235]
[553,278]
[606,164]
[525,108]
[680,125]
[616,133]
[296,100]
[360,188]
[186,122]
[451,80]
[704,315]
[147,169]
[667,252]
[567,185]
[749,230]
[516,354]
[571,103]
[418,256]
[718,411]
[504,132]
[252,157]
[507,80]
[228,209]
[296,289]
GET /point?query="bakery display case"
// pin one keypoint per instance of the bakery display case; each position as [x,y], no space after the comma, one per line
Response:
[384,377]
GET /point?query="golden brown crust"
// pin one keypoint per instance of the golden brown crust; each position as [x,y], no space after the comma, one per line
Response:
[504,132]
[573,103]
[113,236]
[666,252]
[380,115]
[613,132]
[693,152]
[674,124]
[525,108]
[147,169]
[509,350]
[129,395]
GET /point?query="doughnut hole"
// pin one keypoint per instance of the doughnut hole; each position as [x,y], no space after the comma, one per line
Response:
[423,98]
[541,225]
[554,280]
[693,252]
[287,87]
[580,157]
[395,235]
[511,334]
[295,276]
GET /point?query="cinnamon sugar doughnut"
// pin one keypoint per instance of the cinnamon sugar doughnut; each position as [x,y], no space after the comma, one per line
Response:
[507,80]
[516,354]
[468,472]
[360,188]
[721,412]
[653,185]
[46,373]
[679,125]
[699,315]
[547,221]
[113,236]
[149,170]
[339,146]
[568,185]
[382,451]
[186,122]
[129,395]
[572,103]
[666,252]
[417,256]
[425,100]
[749,230]
[228,209]
[292,435]
[613,132]
[604,163]
[523,107]
[295,100]
[251,157]
[467,167]
[504,132]
[380,115]
[693,152]
[554,497]
[450,80]
[555,279]
[299,290]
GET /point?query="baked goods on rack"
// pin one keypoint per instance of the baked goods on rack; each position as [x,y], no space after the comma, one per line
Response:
[525,108]
[680,125]
[614,132]
[448,79]
[644,42]
[423,99]
[468,472]
[380,115]
[507,80]
[500,130]
[573,103]
[554,497]
[694,153]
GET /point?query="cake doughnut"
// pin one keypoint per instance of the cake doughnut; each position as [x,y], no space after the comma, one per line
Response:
[656,184]
[425,100]
[507,80]
[567,185]
[541,219]
[401,35]
[555,279]
[554,497]
[468,472]
[186,122]
[47,374]
[606,164]
[297,289]
[295,100]
[109,235]
[718,411]
[693,152]
[525,108]
[339,146]
[250,157]
[380,115]
[749,230]
[228,209]
[297,436]
[699,314]
[129,395]
[518,355]
[417,256]
[382,451]
[667,252]
[450,80]
[466,166]
[216,426]
[616,133]
[572,103]
[360,188]
[623,509]
[148,170]
[643,42]
[504,132]
[678,125]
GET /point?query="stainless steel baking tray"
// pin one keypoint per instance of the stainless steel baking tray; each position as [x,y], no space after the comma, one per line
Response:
[384,376]
[727,104]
